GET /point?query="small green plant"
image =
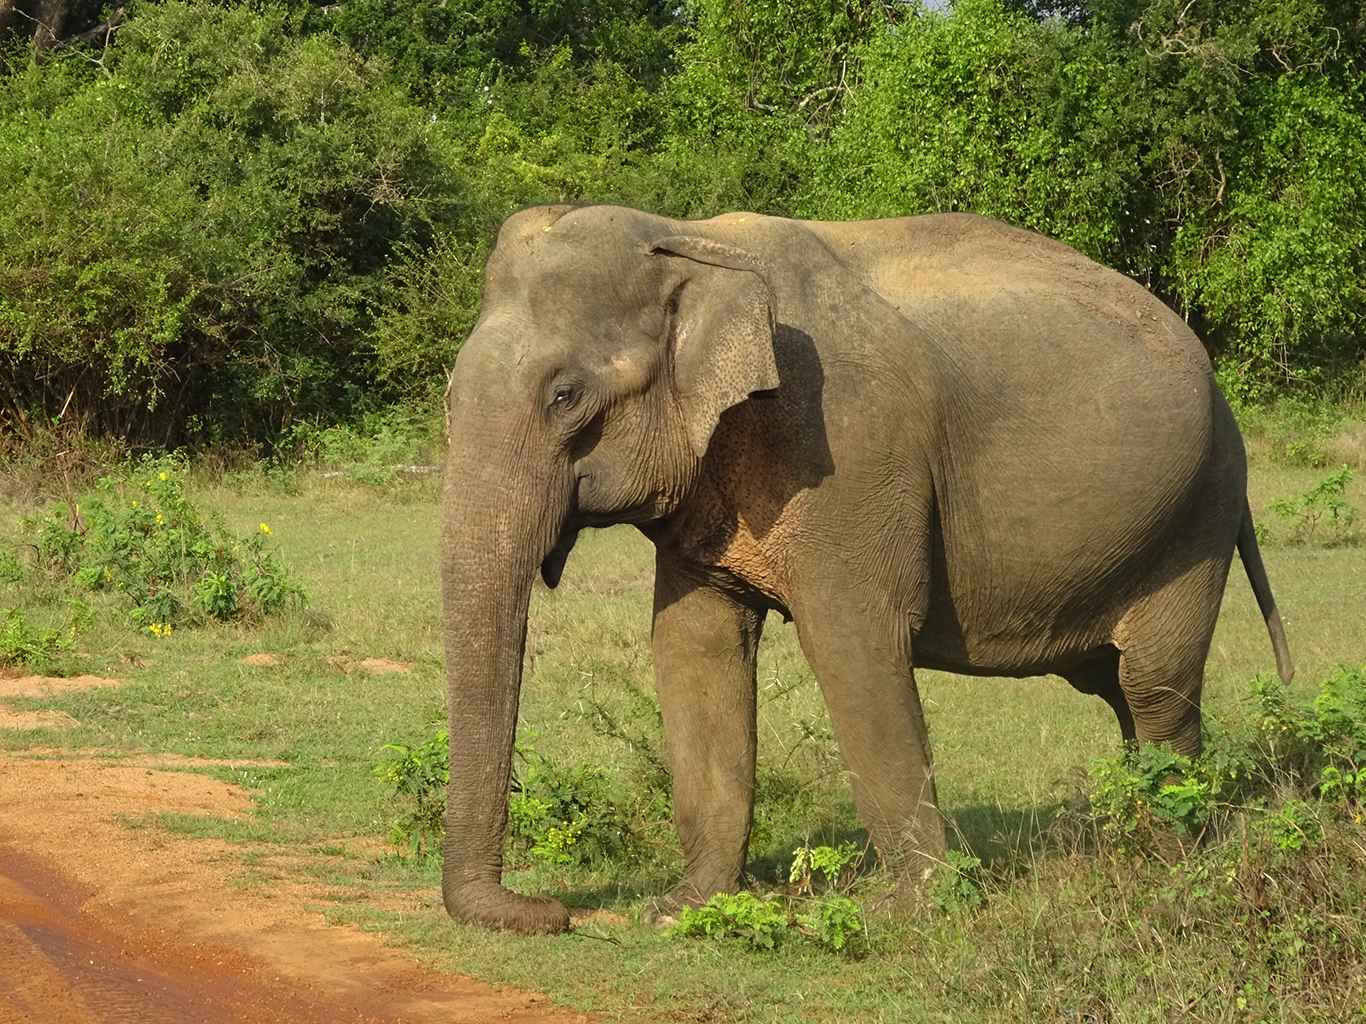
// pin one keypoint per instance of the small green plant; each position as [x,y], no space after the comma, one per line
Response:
[839,864]
[22,644]
[833,921]
[957,883]
[1317,747]
[419,774]
[139,535]
[10,569]
[1147,789]
[1323,504]
[572,814]
[763,923]
[1292,762]
[1295,825]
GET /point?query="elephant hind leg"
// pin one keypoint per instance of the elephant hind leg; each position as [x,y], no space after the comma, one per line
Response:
[1099,677]
[1164,640]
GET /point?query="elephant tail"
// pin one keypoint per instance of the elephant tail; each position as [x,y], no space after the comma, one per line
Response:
[1251,555]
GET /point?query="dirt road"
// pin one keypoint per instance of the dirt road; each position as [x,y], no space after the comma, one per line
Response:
[102,923]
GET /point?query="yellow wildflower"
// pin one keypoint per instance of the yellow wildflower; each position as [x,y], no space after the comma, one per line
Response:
[266,530]
[161,476]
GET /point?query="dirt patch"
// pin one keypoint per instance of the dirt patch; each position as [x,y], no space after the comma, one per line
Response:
[14,685]
[146,760]
[21,720]
[383,666]
[263,660]
[598,917]
[99,922]
[375,666]
[46,686]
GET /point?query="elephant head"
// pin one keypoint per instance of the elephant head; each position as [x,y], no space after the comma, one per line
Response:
[607,350]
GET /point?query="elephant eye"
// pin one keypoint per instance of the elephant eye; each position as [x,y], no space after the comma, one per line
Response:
[563,396]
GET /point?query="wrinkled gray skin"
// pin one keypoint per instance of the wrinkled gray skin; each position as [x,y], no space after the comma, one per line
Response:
[936,441]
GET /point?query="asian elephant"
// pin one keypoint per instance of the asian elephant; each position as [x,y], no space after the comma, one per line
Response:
[934,441]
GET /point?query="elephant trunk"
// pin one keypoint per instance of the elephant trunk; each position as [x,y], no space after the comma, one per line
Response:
[492,543]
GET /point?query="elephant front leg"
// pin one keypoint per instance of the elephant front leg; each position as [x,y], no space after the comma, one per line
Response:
[874,706]
[705,647]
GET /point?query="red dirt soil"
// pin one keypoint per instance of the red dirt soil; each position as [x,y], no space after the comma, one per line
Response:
[103,923]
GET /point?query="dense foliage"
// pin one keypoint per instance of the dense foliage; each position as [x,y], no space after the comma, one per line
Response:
[222,218]
[139,536]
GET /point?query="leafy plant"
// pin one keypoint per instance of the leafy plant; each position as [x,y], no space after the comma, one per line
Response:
[1295,825]
[1325,503]
[21,643]
[833,921]
[572,815]
[956,884]
[835,863]
[1316,747]
[419,774]
[1299,759]
[142,537]
[1146,789]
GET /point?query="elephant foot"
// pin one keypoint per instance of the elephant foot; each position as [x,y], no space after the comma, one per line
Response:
[907,900]
[663,912]
[494,906]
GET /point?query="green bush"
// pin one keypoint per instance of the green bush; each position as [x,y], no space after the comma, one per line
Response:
[833,921]
[1291,763]
[140,536]
[838,864]
[575,815]
[204,222]
[956,884]
[22,644]
[10,569]
[1316,748]
[1324,504]
[419,774]
[564,816]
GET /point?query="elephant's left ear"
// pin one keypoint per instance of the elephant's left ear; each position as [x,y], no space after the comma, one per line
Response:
[719,322]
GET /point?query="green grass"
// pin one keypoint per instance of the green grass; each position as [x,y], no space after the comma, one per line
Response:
[1060,935]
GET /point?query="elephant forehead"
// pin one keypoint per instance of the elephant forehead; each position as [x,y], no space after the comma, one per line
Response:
[570,264]
[515,350]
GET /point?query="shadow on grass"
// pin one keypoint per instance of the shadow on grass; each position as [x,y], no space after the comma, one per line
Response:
[1005,836]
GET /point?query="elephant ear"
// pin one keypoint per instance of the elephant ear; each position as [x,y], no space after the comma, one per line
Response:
[720,330]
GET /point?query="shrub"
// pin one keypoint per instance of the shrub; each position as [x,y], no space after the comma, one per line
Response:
[203,222]
[558,815]
[1308,758]
[419,774]
[21,643]
[956,885]
[833,921]
[575,814]
[1324,504]
[839,864]
[142,537]
[1315,748]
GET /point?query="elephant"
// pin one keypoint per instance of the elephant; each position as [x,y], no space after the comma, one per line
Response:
[936,441]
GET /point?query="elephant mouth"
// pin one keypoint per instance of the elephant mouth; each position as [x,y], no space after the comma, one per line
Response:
[552,566]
